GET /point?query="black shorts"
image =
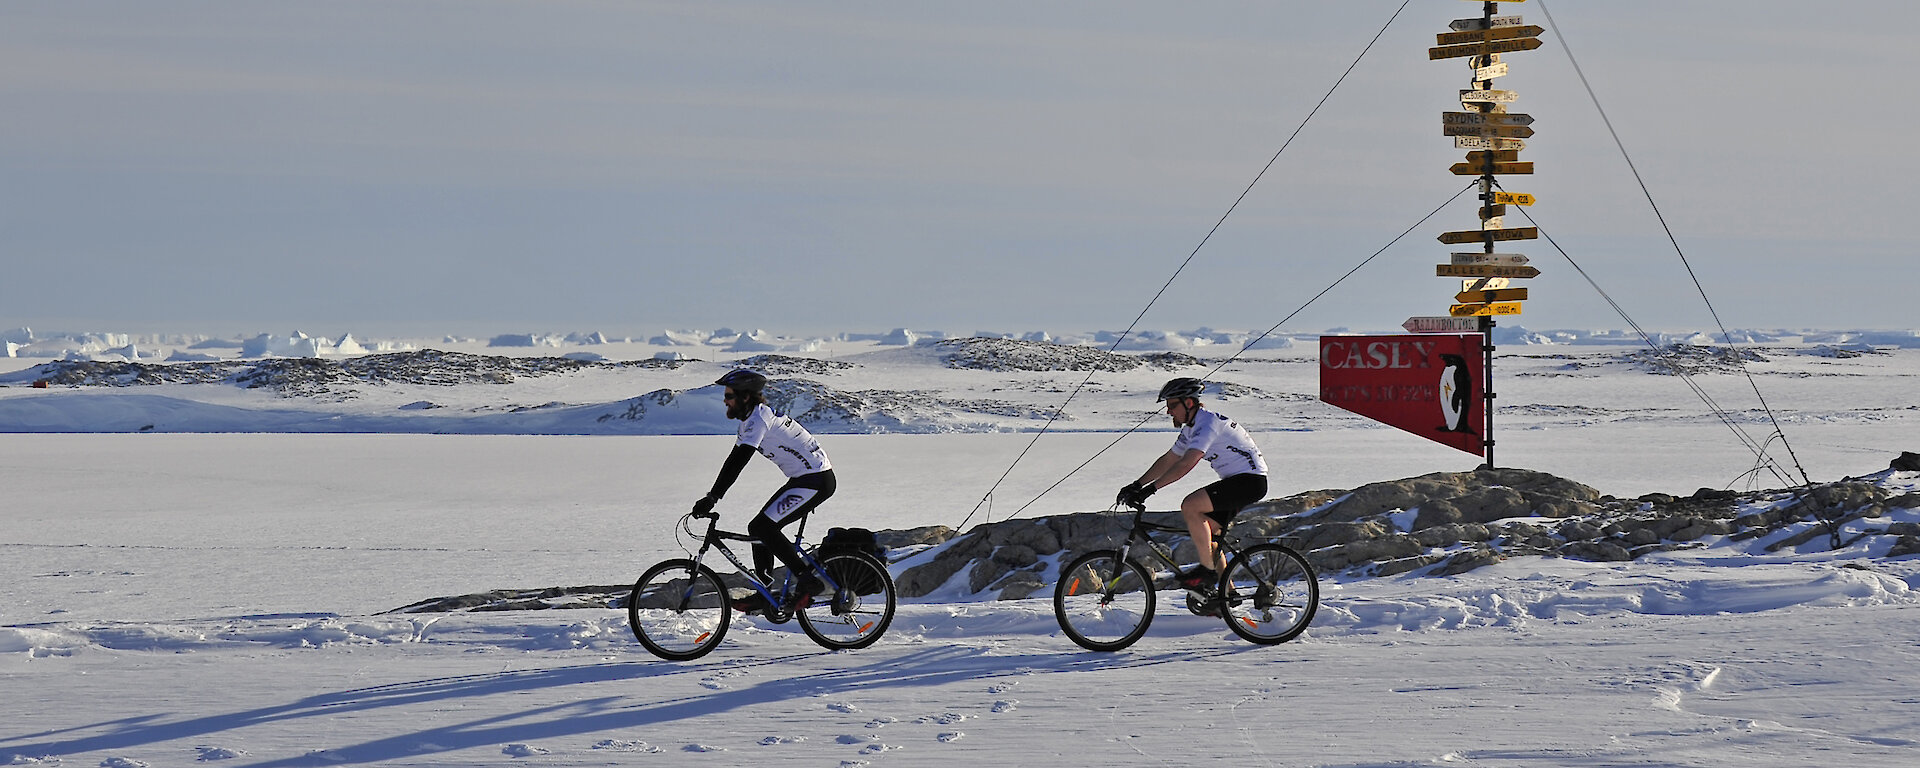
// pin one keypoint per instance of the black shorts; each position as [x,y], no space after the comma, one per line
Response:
[1232,494]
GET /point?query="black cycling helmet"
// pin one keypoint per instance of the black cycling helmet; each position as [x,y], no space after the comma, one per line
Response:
[1182,388]
[743,382]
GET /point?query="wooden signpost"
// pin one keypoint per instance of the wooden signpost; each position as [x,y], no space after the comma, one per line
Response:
[1497,235]
[1484,270]
[1464,25]
[1463,387]
[1481,49]
[1442,325]
[1476,169]
[1485,142]
[1507,32]
[1485,118]
[1488,131]
[1484,310]
[1487,297]
[1509,259]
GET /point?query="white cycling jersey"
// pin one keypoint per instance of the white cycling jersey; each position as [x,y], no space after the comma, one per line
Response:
[789,445]
[1230,450]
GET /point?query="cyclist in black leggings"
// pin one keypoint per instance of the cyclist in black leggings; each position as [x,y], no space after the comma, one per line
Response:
[809,476]
[1225,446]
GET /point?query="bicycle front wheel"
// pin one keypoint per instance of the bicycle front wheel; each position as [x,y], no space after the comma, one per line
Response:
[1271,594]
[1103,601]
[679,610]
[857,613]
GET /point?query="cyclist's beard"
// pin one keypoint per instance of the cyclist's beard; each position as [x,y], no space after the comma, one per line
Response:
[739,409]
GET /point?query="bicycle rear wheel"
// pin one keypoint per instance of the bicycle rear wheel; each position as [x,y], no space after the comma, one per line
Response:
[679,610]
[857,614]
[1103,601]
[1271,594]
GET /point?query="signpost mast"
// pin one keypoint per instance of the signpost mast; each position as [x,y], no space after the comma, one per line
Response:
[1495,138]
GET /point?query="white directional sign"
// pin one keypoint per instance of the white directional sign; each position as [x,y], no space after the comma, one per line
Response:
[1469,25]
[1497,97]
[1484,283]
[1487,142]
[1490,72]
[1441,324]
[1514,259]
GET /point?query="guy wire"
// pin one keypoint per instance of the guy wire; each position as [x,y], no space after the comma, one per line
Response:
[1724,334]
[1061,410]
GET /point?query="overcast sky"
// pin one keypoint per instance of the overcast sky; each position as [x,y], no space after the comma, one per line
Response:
[482,166]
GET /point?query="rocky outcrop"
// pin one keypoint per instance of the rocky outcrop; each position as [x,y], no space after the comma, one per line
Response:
[1435,525]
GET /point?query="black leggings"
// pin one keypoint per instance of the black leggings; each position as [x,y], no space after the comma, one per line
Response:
[792,502]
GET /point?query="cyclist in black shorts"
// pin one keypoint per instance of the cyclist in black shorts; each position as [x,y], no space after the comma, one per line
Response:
[809,474]
[1226,447]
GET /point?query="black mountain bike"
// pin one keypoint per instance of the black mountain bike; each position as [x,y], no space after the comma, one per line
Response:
[680,609]
[1104,600]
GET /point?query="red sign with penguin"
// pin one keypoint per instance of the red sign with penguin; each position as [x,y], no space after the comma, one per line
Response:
[1427,384]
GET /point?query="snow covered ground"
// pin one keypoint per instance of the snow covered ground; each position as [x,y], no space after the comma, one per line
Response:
[177,594]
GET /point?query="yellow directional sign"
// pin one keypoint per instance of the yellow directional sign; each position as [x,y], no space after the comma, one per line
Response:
[1475,169]
[1483,35]
[1488,131]
[1481,235]
[1484,270]
[1476,310]
[1512,198]
[1491,295]
[1497,155]
[1486,118]
[1478,49]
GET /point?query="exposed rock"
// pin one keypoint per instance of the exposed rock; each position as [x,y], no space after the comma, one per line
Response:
[1460,521]
[1908,461]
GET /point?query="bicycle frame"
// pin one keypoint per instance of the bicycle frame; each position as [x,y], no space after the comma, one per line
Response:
[1142,533]
[716,539]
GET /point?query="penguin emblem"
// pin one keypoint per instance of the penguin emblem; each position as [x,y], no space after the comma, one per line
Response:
[1456,394]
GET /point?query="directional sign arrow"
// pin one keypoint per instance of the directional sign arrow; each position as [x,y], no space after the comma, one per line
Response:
[1489,296]
[1487,131]
[1476,169]
[1476,310]
[1487,142]
[1497,155]
[1512,198]
[1484,270]
[1481,235]
[1478,49]
[1488,96]
[1480,22]
[1441,324]
[1510,259]
[1490,71]
[1485,118]
[1484,35]
[1485,283]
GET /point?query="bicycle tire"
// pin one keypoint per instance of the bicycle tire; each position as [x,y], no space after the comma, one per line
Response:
[1103,601]
[860,612]
[678,610]
[1271,594]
